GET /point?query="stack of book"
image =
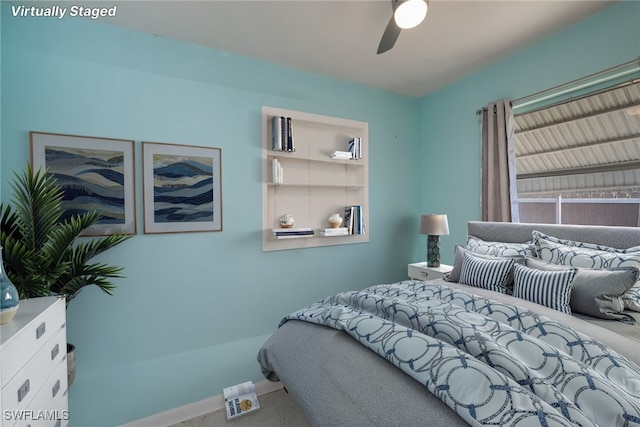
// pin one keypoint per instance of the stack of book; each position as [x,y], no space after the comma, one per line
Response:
[354,219]
[291,233]
[340,231]
[282,134]
[355,147]
[342,155]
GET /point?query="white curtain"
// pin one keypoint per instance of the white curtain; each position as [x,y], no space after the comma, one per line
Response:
[499,190]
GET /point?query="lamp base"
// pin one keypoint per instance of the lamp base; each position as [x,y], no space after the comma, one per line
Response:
[433,251]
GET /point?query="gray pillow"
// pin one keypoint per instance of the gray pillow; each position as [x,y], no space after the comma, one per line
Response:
[454,274]
[596,292]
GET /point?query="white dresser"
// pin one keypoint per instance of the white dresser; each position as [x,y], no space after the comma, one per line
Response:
[33,365]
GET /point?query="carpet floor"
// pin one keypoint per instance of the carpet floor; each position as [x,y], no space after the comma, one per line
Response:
[277,409]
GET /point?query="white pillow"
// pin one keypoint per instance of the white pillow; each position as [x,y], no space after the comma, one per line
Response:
[499,249]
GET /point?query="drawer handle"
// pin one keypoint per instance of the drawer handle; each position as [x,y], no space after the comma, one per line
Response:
[23,391]
[424,273]
[41,330]
[55,351]
[56,388]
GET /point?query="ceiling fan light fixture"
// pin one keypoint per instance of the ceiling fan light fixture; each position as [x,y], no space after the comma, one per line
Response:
[410,13]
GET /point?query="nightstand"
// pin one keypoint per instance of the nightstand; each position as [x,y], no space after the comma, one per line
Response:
[420,271]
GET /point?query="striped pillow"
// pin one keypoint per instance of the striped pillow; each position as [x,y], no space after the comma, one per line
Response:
[549,288]
[492,274]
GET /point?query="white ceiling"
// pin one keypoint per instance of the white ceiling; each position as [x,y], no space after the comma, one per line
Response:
[339,38]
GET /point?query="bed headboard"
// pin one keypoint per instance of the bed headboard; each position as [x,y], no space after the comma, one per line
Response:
[617,237]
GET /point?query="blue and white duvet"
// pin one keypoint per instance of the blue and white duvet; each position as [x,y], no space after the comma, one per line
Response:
[493,363]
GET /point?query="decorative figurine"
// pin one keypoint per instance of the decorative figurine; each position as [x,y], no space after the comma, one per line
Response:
[286,221]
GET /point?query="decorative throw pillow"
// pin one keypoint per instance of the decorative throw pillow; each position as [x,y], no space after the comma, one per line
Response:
[454,274]
[548,249]
[596,292]
[549,288]
[492,274]
[538,234]
[499,249]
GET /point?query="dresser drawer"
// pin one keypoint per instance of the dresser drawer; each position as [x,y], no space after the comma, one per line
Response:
[35,323]
[20,391]
[49,407]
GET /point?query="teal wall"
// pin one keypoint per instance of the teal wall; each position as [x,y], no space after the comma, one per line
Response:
[194,308]
[450,130]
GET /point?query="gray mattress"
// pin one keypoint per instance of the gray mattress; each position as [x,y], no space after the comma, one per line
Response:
[338,382]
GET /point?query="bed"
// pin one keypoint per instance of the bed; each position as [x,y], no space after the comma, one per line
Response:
[485,346]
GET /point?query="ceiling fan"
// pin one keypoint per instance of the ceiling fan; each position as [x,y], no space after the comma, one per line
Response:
[406,14]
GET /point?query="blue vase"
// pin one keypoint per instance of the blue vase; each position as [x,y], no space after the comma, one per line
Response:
[9,299]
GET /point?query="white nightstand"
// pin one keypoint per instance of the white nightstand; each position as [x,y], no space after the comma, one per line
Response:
[420,271]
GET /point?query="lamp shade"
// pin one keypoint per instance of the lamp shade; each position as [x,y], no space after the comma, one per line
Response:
[434,225]
[410,13]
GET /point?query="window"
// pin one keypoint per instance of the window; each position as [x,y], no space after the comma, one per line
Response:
[578,158]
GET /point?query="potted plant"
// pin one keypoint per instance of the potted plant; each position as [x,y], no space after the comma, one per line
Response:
[45,254]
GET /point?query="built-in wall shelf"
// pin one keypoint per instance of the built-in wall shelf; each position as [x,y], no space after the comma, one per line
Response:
[313,185]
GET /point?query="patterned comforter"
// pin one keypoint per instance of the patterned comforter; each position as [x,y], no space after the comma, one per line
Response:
[492,363]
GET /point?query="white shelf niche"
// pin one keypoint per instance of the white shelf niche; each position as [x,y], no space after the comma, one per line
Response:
[314,185]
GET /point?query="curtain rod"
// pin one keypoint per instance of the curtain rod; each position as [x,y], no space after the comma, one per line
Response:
[569,86]
[586,95]
[554,91]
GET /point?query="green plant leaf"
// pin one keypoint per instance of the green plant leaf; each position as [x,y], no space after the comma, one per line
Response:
[45,254]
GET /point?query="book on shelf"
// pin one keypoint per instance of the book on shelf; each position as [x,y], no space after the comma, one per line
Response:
[341,155]
[291,146]
[240,399]
[292,232]
[282,134]
[277,172]
[348,218]
[355,147]
[340,231]
[294,236]
[291,229]
[277,124]
[354,219]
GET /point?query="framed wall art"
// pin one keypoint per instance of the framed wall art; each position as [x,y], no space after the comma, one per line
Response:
[94,173]
[182,188]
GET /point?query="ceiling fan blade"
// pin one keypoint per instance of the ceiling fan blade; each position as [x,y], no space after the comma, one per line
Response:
[389,36]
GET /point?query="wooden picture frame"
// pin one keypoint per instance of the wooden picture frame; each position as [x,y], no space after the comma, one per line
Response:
[94,173]
[182,188]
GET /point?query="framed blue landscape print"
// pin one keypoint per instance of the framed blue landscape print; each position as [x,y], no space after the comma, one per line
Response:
[182,188]
[94,173]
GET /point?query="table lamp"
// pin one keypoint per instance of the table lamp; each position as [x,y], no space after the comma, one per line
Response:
[433,226]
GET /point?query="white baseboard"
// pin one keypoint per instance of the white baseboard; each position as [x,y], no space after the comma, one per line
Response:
[196,409]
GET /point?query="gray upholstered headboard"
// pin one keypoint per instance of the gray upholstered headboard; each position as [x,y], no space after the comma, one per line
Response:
[617,237]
